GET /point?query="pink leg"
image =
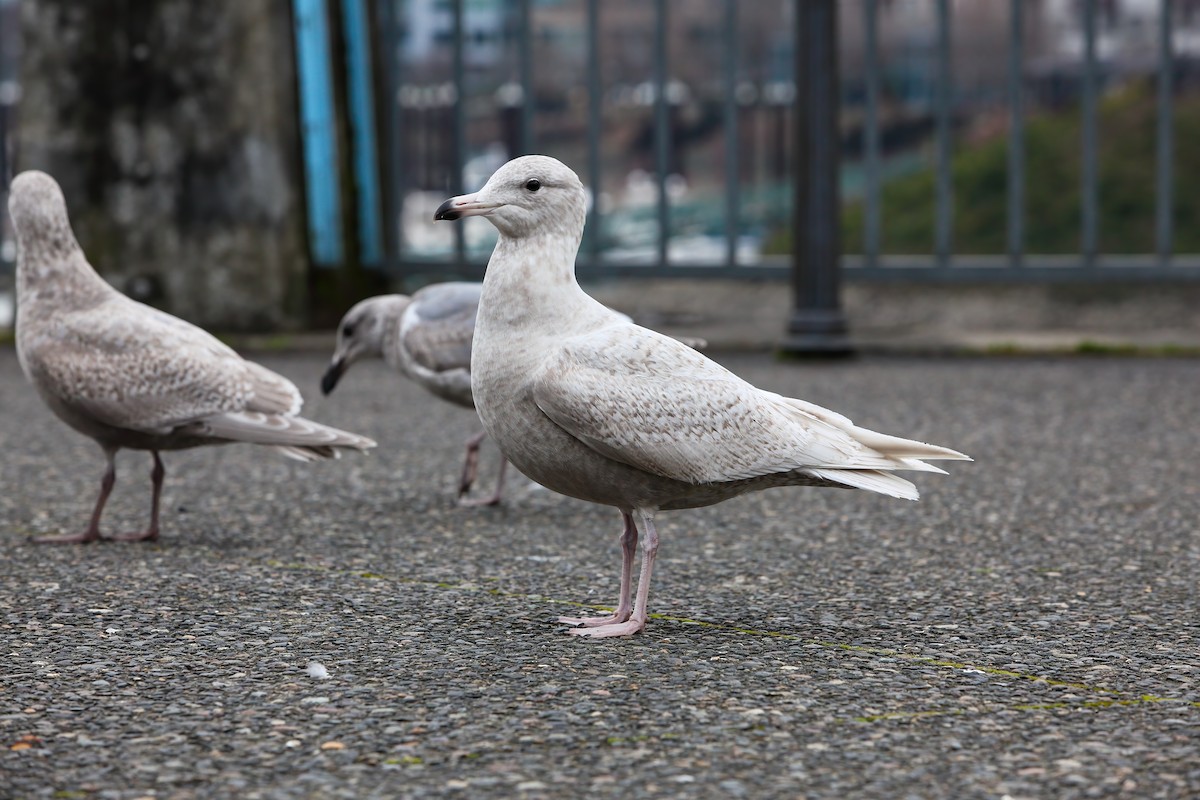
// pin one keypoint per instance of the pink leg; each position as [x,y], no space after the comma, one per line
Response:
[93,529]
[621,623]
[494,499]
[151,534]
[470,464]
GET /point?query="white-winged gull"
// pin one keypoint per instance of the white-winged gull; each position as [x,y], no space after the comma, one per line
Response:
[130,376]
[593,406]
[426,337]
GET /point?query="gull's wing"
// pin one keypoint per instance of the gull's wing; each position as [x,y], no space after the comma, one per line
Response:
[649,401]
[131,366]
[438,326]
[434,339]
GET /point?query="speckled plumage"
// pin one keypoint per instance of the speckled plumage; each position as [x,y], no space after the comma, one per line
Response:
[128,375]
[591,405]
[426,337]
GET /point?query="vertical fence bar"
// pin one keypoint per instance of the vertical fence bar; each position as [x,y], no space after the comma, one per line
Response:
[458,157]
[525,70]
[319,140]
[817,325]
[944,223]
[1016,134]
[387,44]
[364,132]
[871,207]
[733,223]
[662,126]
[9,58]
[595,221]
[1088,189]
[1164,210]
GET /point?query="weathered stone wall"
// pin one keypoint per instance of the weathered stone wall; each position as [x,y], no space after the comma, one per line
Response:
[172,127]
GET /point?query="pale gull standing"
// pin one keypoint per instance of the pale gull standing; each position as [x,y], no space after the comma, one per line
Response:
[426,337]
[593,406]
[130,376]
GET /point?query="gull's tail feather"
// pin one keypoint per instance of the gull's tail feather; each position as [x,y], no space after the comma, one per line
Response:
[296,437]
[308,454]
[904,449]
[906,453]
[871,480]
[919,466]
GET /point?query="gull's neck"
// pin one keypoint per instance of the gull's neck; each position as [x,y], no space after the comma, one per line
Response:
[532,280]
[55,270]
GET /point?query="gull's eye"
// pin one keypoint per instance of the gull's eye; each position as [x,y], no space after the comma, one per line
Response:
[348,330]
[533,184]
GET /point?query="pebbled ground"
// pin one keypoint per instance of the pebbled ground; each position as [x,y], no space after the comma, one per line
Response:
[1028,630]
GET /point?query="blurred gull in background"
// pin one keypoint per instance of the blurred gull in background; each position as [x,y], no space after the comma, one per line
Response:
[130,376]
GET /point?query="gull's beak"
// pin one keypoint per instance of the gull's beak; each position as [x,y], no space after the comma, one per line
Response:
[465,205]
[332,375]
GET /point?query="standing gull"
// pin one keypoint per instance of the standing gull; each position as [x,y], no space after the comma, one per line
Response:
[426,337]
[593,406]
[131,376]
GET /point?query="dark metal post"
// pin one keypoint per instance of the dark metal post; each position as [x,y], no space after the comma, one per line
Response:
[525,70]
[1164,205]
[817,325]
[1090,238]
[595,234]
[662,129]
[1016,135]
[393,152]
[871,135]
[733,175]
[459,117]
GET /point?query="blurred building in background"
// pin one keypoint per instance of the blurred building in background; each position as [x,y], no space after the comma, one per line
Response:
[251,165]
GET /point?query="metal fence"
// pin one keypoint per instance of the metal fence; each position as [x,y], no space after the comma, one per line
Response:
[10,92]
[682,117]
[436,101]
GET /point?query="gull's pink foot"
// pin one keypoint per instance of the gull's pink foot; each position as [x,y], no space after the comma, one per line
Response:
[143,536]
[69,538]
[475,502]
[627,628]
[593,622]
[492,500]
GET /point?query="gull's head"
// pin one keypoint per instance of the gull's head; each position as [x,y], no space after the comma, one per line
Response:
[38,209]
[530,194]
[361,334]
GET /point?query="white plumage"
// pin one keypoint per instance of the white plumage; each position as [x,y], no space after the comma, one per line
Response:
[591,405]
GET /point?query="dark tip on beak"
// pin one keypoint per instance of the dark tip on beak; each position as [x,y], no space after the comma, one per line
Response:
[446,212]
[332,376]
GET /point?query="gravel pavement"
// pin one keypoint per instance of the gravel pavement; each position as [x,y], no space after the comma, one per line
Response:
[1028,630]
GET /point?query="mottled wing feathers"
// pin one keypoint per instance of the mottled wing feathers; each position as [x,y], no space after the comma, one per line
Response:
[130,366]
[437,327]
[646,400]
[271,392]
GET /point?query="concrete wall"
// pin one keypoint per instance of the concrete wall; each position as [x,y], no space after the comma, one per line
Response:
[172,128]
[927,317]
